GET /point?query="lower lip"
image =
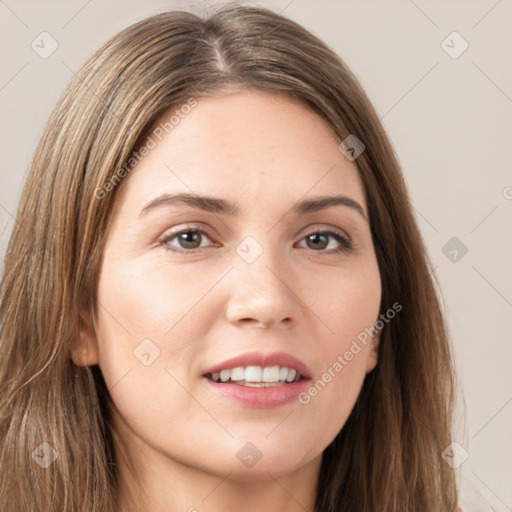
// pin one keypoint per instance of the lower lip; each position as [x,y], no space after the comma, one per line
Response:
[262,398]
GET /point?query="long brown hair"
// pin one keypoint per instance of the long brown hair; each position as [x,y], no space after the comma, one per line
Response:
[387,457]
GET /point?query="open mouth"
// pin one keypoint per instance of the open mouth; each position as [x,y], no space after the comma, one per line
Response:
[256,376]
[259,380]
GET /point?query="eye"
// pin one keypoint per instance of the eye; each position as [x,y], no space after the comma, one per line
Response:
[187,240]
[319,241]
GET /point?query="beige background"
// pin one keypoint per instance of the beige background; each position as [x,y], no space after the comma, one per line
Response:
[449,119]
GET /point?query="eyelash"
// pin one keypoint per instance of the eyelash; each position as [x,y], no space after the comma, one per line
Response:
[345,244]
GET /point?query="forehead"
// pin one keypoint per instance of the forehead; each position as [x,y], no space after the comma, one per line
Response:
[261,146]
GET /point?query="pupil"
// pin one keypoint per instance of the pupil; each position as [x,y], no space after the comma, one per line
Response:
[315,238]
[190,238]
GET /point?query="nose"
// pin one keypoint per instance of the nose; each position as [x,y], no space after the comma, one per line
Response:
[263,294]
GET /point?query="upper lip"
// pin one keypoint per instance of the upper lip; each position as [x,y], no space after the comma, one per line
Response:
[281,359]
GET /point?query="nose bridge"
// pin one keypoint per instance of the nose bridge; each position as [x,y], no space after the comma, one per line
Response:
[259,285]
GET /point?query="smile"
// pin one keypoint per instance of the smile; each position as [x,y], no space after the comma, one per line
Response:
[259,380]
[256,376]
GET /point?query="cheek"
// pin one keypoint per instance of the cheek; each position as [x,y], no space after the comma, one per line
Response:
[349,304]
[140,301]
[152,321]
[349,308]
[147,334]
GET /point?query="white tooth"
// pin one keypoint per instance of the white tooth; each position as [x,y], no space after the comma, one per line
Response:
[263,384]
[255,384]
[291,375]
[237,373]
[253,374]
[225,375]
[215,376]
[283,373]
[270,374]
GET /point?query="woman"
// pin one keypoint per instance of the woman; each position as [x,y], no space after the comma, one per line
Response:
[215,295]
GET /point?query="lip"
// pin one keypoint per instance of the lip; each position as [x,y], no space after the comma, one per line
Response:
[260,398]
[260,359]
[263,397]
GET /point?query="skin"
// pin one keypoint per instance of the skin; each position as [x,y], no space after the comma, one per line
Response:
[266,152]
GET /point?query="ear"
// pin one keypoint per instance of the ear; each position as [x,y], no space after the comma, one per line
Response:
[373,355]
[84,349]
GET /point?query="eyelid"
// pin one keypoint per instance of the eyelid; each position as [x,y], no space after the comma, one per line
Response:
[314,228]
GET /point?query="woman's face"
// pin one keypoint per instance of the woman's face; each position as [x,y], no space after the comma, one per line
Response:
[261,271]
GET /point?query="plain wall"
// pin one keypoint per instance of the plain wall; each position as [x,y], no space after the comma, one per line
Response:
[448,116]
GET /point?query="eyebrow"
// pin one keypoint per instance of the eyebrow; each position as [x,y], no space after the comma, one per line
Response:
[221,206]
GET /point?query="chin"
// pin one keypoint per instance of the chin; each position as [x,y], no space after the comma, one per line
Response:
[263,471]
